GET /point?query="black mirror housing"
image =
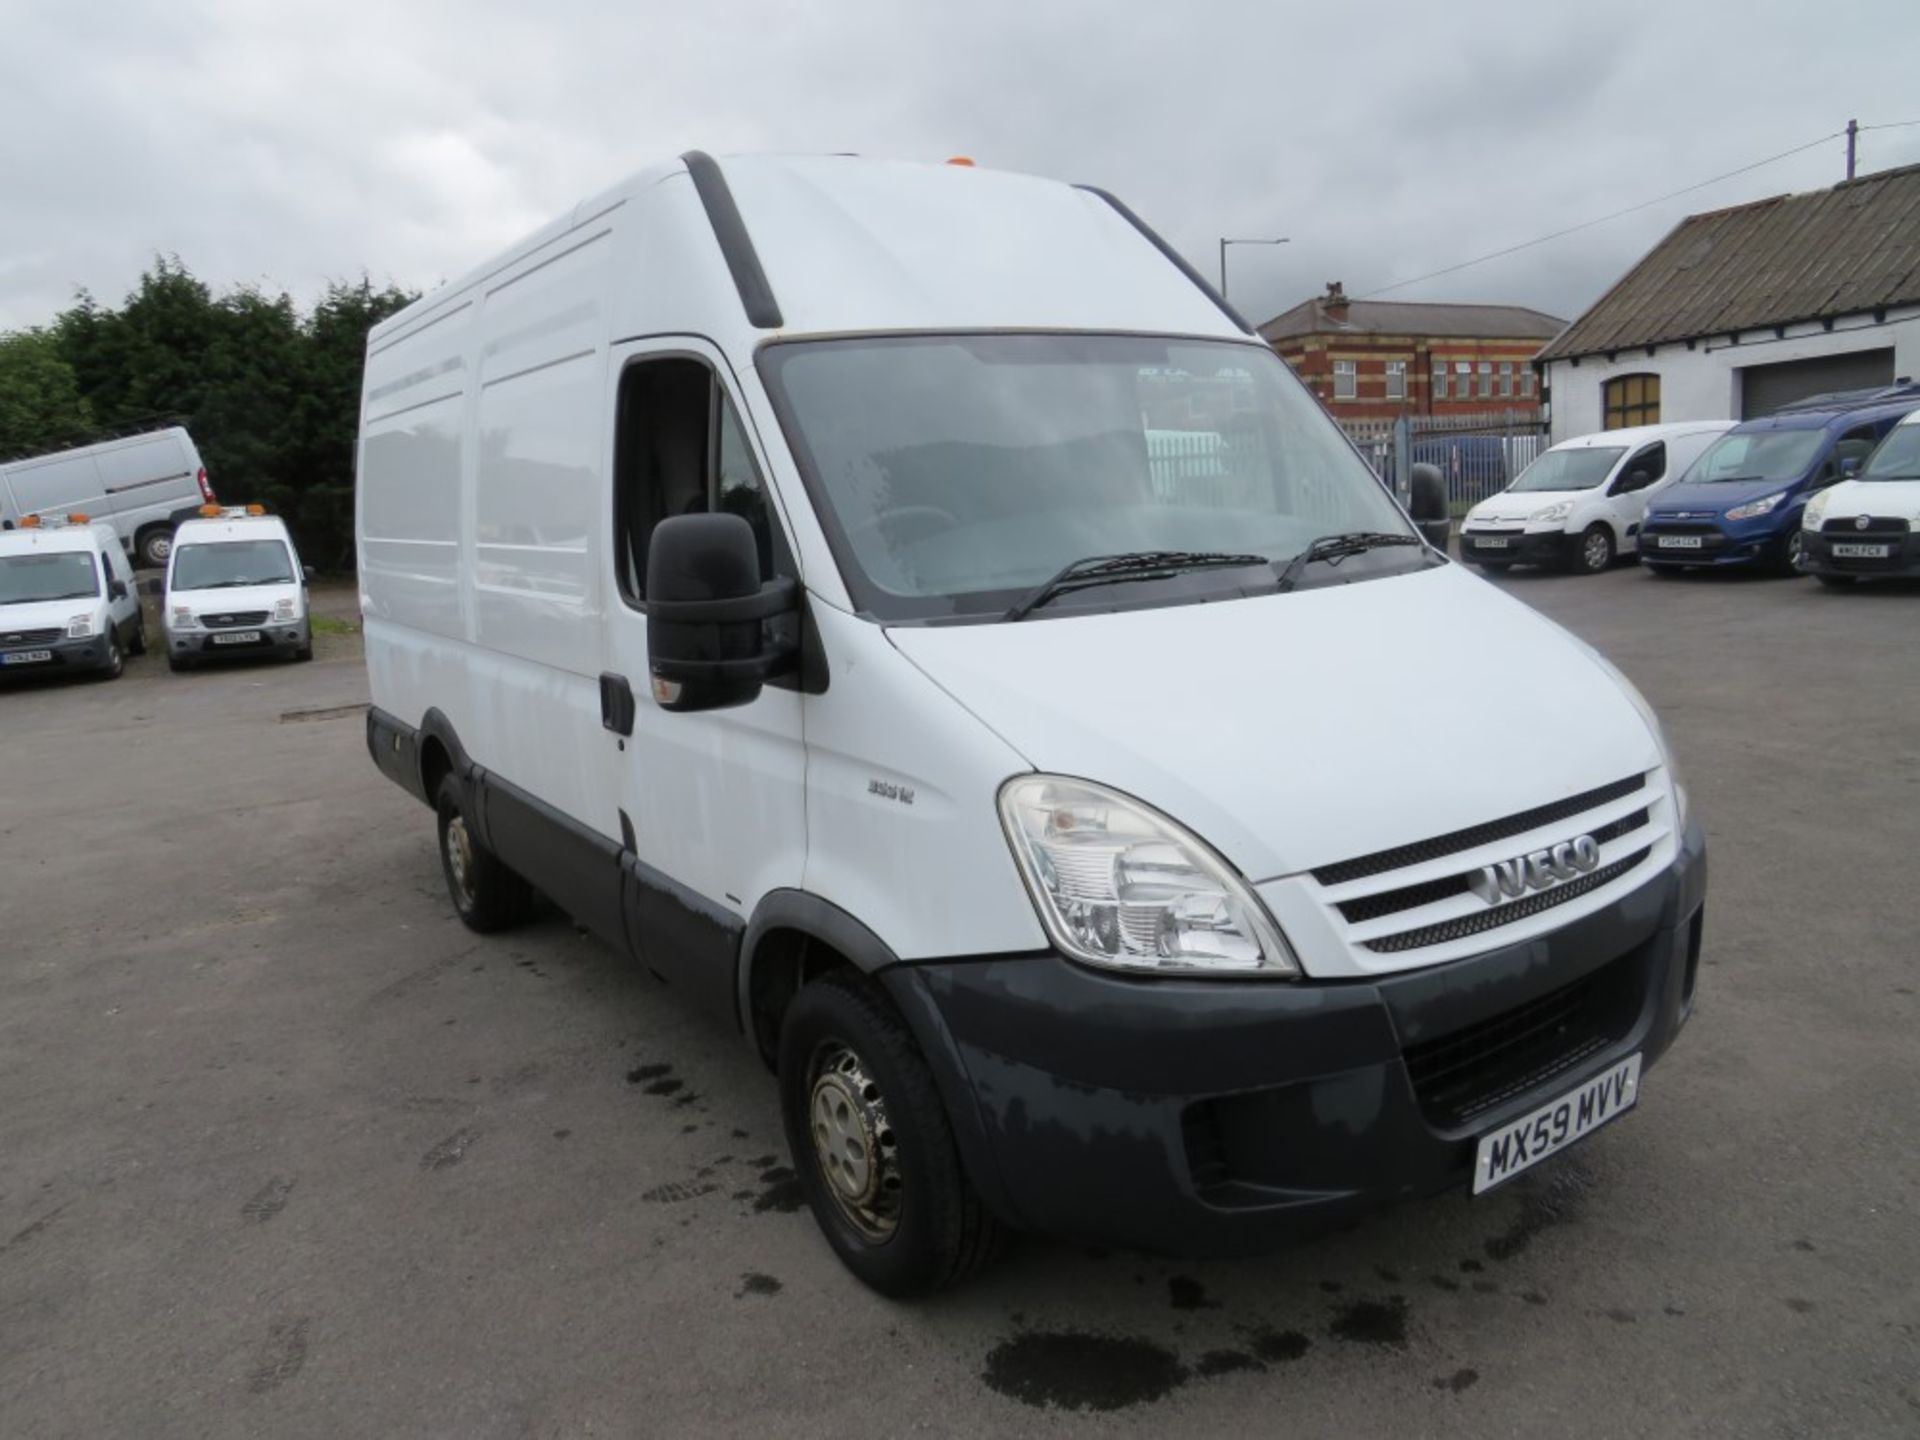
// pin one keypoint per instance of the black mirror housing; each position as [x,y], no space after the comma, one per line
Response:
[307,574]
[116,590]
[1427,493]
[706,604]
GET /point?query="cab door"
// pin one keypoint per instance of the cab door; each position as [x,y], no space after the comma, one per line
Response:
[1628,490]
[713,803]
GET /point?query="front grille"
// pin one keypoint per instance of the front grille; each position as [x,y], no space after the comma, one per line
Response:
[239,619]
[1455,841]
[1410,897]
[1458,1076]
[11,638]
[1879,527]
[1491,919]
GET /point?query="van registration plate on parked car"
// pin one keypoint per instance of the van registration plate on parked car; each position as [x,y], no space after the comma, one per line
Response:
[26,657]
[1678,542]
[1489,542]
[1555,1125]
[238,637]
[1843,551]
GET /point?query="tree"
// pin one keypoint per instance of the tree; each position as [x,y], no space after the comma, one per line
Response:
[41,407]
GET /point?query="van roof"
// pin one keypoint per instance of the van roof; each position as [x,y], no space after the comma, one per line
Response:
[1640,434]
[236,527]
[1820,419]
[841,244]
[54,538]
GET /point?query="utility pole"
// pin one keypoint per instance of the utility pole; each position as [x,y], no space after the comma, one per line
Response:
[1224,243]
[1853,135]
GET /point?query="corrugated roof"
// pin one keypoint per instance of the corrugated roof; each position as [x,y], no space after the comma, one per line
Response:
[1397,317]
[1823,254]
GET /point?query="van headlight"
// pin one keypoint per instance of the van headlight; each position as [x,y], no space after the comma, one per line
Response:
[1753,509]
[183,618]
[1559,510]
[283,610]
[1120,885]
[80,627]
[1816,511]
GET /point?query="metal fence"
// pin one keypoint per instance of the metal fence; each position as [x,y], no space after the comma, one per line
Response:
[1478,454]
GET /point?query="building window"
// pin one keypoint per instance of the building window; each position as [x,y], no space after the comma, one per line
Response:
[1526,382]
[1439,379]
[1463,379]
[1346,381]
[1506,379]
[1396,379]
[1631,400]
[1486,379]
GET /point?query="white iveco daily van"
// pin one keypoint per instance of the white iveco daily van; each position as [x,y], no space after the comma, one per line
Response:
[777,564]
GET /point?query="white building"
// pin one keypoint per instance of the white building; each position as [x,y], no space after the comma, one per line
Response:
[1740,311]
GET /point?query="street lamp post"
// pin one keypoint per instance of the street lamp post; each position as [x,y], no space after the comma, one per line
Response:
[1224,243]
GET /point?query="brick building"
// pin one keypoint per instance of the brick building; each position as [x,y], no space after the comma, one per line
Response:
[1377,359]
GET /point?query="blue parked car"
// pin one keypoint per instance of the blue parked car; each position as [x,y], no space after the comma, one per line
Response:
[1740,503]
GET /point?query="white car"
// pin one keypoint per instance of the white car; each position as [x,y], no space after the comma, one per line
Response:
[773,563]
[1580,504]
[1868,527]
[235,589]
[66,599]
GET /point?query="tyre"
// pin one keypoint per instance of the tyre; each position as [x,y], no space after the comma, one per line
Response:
[305,652]
[486,894]
[872,1144]
[152,547]
[1792,555]
[1836,582]
[1594,553]
[178,665]
[138,645]
[116,662]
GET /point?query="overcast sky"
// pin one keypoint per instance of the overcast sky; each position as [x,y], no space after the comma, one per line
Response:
[285,142]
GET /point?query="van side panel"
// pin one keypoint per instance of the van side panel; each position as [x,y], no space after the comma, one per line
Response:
[148,479]
[482,497]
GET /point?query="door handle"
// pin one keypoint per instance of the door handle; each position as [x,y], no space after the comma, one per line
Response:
[616,704]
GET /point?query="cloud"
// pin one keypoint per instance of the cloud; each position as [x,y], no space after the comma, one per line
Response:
[291,143]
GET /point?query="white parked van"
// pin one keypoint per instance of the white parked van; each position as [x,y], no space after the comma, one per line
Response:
[66,599]
[143,485]
[772,563]
[235,590]
[1868,527]
[1580,504]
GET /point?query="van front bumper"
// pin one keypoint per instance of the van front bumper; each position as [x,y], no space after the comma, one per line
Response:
[1224,1118]
[1902,557]
[65,657]
[1722,543]
[279,639]
[1519,547]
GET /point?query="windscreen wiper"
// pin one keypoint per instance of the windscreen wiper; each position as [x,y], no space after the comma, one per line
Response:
[1111,569]
[1335,548]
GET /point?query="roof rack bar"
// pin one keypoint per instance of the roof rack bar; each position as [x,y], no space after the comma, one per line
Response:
[1199,280]
[763,311]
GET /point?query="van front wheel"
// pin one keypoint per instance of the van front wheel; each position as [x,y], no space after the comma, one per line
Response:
[872,1144]
[486,894]
[1596,550]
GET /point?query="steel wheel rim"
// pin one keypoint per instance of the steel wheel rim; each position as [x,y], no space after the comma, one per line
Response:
[854,1148]
[160,548]
[460,860]
[1596,551]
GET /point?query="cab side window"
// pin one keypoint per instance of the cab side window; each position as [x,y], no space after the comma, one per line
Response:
[1855,445]
[1643,469]
[680,449]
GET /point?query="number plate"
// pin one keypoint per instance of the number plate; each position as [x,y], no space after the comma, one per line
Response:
[1677,542]
[1844,551]
[238,637]
[1554,1126]
[1489,542]
[26,657]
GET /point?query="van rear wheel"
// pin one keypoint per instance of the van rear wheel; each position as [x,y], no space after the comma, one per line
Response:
[872,1144]
[486,894]
[154,546]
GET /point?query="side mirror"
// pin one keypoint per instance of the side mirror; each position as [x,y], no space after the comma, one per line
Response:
[1638,480]
[307,574]
[1849,467]
[116,589]
[1429,507]
[706,645]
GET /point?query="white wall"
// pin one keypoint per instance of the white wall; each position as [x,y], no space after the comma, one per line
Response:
[1704,383]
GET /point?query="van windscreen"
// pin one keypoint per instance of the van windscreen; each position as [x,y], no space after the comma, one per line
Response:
[60,575]
[229,564]
[1898,457]
[955,472]
[1756,455]
[1580,469]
